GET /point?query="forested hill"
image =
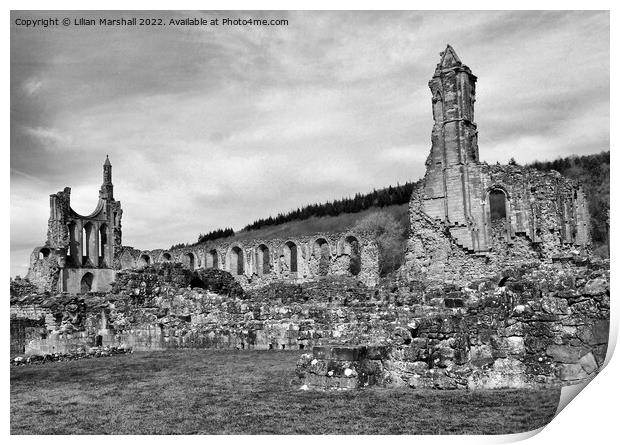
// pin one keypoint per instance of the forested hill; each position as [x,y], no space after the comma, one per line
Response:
[392,195]
[593,173]
[591,170]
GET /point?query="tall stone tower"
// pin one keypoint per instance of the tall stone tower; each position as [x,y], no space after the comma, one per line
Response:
[452,164]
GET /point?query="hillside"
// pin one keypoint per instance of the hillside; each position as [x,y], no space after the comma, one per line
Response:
[591,170]
[315,224]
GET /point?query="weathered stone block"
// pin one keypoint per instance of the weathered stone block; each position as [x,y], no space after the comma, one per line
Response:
[565,353]
[588,363]
[569,372]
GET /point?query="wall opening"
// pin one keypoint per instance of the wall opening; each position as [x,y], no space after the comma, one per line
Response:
[99,340]
[212,259]
[236,261]
[189,260]
[321,252]
[352,248]
[86,283]
[497,204]
[103,244]
[290,255]
[72,248]
[166,257]
[263,262]
[144,261]
[84,245]
[44,253]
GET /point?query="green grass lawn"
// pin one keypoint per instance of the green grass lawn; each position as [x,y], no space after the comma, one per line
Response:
[246,392]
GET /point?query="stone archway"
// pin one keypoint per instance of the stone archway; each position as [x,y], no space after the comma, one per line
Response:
[237,264]
[212,261]
[322,255]
[86,284]
[263,260]
[352,249]
[291,256]
[189,260]
[144,260]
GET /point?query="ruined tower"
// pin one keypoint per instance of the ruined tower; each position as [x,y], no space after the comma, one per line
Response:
[80,252]
[490,211]
[450,176]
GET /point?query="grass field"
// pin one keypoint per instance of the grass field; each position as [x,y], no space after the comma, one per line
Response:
[245,392]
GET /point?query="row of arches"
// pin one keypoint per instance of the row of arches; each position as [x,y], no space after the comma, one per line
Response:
[265,260]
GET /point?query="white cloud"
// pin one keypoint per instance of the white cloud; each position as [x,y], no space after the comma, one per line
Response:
[32,85]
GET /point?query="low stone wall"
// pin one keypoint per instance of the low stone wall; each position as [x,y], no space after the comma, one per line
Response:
[82,353]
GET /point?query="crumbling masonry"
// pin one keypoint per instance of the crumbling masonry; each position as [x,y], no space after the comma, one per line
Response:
[467,218]
[498,288]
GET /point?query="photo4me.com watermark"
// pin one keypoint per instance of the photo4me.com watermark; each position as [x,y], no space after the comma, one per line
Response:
[146,21]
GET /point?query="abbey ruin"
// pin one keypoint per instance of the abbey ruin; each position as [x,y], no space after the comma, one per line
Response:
[498,288]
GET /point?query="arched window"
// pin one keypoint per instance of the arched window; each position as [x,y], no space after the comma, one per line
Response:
[72,248]
[321,253]
[290,256]
[212,259]
[166,257]
[497,204]
[263,262]
[144,261]
[44,253]
[189,260]
[84,244]
[352,248]
[103,244]
[236,261]
[86,283]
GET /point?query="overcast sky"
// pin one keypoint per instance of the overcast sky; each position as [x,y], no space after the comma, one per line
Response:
[211,127]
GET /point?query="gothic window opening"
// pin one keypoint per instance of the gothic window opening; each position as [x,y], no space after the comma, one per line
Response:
[212,259]
[497,204]
[87,282]
[189,261]
[321,252]
[290,254]
[145,260]
[236,261]
[262,260]
[352,248]
[103,244]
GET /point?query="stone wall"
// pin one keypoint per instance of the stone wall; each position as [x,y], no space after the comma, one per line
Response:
[535,325]
[435,253]
[257,262]
[540,326]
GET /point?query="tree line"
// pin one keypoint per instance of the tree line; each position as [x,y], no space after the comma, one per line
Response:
[392,195]
[212,235]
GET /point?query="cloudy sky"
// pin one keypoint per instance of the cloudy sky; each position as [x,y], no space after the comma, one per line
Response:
[210,127]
